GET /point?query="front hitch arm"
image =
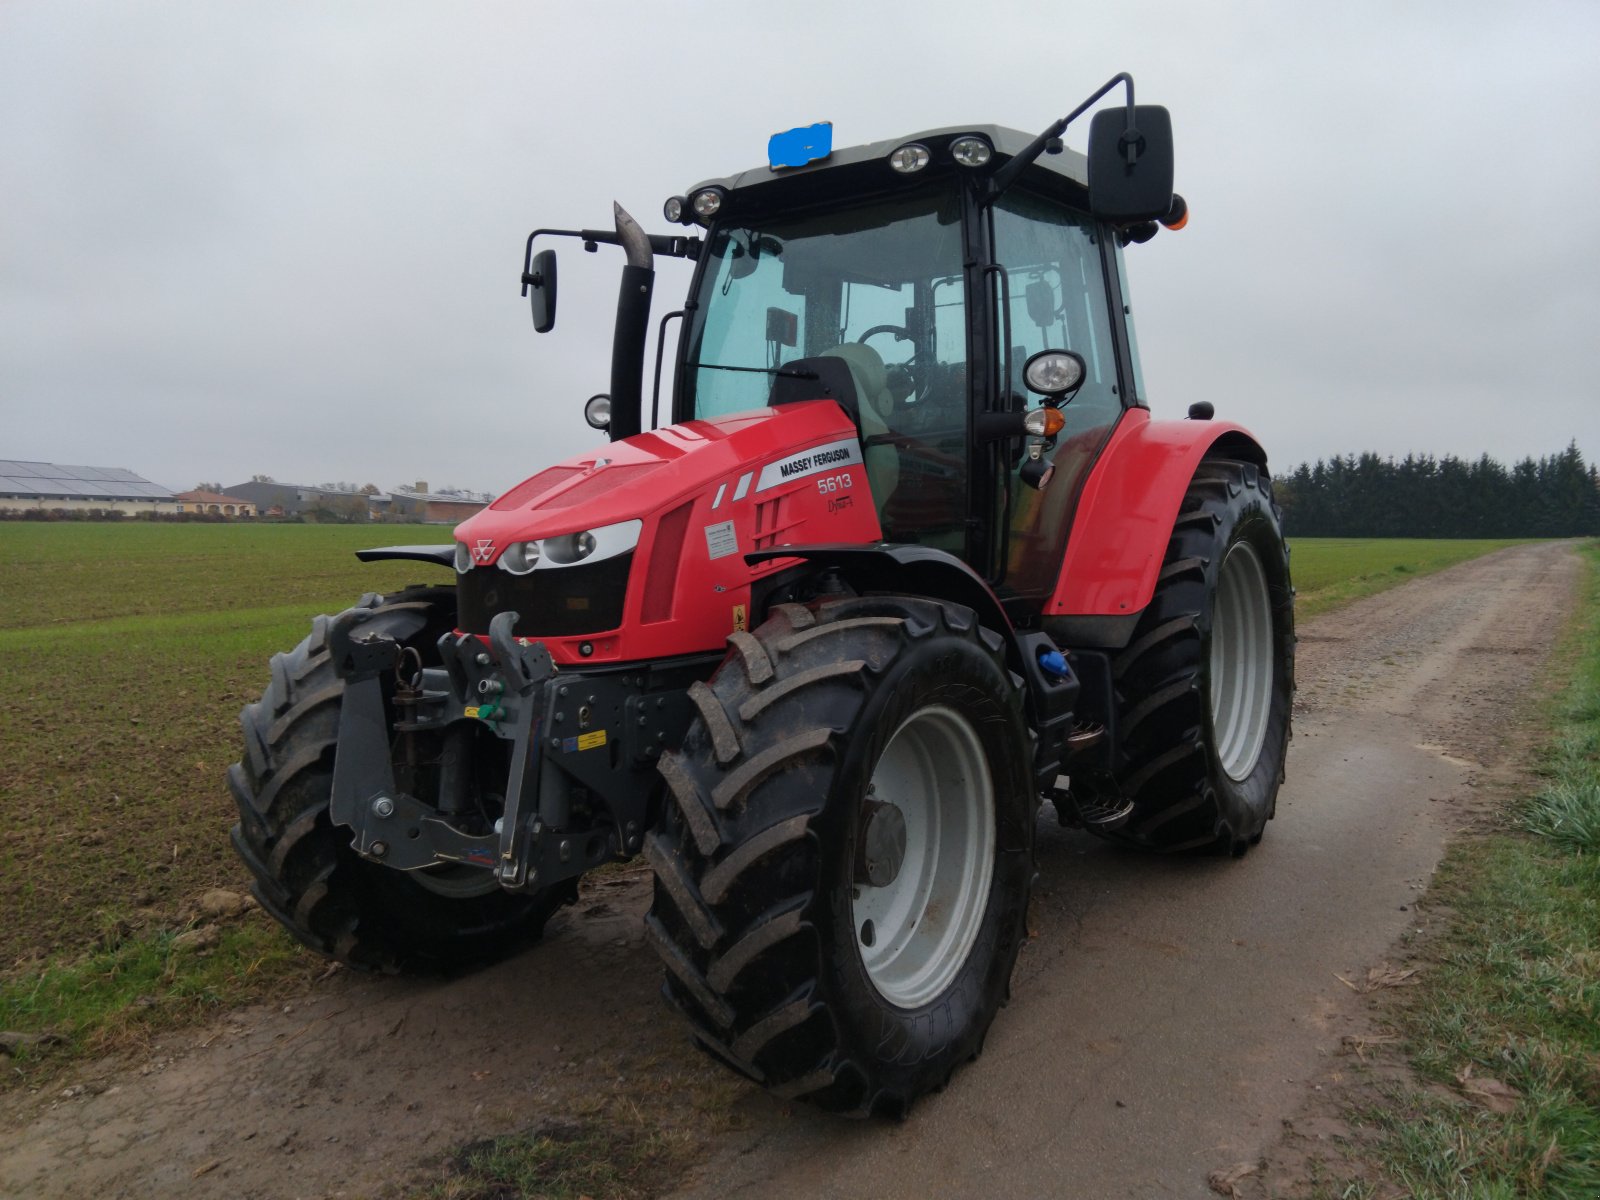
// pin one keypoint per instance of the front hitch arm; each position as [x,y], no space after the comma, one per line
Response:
[502,685]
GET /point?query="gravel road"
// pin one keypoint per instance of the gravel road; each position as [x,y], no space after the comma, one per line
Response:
[1167,1015]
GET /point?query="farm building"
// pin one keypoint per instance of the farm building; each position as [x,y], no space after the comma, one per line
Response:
[419,504]
[215,503]
[25,486]
[295,499]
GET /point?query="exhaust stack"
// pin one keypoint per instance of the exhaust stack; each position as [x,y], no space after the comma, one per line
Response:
[632,328]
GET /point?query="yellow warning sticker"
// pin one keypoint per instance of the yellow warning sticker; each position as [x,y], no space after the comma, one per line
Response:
[470,711]
[741,621]
[590,741]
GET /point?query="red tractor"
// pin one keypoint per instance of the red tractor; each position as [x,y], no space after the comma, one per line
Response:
[819,646]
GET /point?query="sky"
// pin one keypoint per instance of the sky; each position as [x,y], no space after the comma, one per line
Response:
[264,238]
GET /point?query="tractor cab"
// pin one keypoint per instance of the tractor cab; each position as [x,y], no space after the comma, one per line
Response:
[958,292]
[933,297]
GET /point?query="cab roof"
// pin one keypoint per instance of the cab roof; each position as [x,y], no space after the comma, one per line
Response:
[865,169]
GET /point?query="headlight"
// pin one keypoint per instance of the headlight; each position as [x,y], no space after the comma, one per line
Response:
[910,158]
[708,202]
[1052,372]
[463,558]
[569,547]
[672,210]
[971,151]
[520,557]
[598,411]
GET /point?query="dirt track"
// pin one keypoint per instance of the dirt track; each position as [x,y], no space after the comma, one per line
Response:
[1166,1015]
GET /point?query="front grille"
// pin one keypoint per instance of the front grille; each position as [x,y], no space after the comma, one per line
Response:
[555,602]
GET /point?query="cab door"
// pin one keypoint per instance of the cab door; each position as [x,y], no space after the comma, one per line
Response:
[1057,296]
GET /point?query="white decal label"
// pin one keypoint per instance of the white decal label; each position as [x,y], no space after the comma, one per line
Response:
[721,541]
[831,457]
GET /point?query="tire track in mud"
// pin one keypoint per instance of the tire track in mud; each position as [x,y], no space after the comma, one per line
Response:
[1166,1013]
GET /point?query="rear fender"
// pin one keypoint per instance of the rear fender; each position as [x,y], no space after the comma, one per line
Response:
[1124,520]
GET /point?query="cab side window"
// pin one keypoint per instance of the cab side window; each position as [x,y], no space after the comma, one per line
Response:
[1056,278]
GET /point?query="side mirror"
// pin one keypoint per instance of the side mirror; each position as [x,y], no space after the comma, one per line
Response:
[1130,169]
[541,283]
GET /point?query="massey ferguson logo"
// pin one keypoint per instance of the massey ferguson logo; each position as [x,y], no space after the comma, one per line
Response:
[483,551]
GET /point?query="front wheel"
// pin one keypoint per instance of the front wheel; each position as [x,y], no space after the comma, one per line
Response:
[307,874]
[842,879]
[1205,685]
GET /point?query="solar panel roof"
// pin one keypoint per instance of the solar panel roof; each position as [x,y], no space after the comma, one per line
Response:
[66,482]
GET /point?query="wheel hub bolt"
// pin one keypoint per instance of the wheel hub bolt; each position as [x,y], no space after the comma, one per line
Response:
[883,844]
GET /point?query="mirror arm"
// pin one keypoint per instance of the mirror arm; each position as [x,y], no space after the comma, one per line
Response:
[1007,175]
[672,245]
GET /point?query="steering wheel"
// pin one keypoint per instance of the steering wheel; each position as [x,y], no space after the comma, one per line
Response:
[900,331]
[911,369]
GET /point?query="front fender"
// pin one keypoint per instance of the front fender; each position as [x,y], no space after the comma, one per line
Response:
[905,568]
[1129,504]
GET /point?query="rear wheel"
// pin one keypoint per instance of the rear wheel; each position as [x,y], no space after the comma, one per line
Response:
[842,877]
[307,875]
[1204,687]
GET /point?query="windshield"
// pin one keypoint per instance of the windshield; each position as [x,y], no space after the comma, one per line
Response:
[887,275]
[879,285]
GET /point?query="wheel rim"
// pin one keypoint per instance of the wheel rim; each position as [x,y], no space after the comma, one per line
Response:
[456,883]
[1241,662]
[915,932]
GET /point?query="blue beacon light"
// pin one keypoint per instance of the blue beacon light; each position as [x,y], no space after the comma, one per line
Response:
[797,147]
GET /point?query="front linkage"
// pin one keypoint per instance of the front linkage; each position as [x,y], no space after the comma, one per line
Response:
[582,753]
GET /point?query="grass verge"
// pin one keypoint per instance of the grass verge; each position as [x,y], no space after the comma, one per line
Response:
[1330,572]
[133,988]
[1503,1035]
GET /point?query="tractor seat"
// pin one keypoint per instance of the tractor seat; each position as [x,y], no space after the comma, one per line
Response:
[875,402]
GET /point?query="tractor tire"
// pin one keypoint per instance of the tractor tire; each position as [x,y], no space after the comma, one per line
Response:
[1204,688]
[308,876]
[842,874]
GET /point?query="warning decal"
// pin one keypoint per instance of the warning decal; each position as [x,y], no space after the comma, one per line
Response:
[721,540]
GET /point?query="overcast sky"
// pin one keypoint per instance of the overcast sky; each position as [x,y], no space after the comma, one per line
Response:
[241,238]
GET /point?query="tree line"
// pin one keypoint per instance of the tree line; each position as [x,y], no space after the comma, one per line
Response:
[1363,495]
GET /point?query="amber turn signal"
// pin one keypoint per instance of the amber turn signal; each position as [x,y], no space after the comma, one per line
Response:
[1178,215]
[1044,422]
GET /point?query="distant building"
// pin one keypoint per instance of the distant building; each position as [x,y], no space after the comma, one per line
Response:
[430,508]
[215,503]
[37,485]
[298,500]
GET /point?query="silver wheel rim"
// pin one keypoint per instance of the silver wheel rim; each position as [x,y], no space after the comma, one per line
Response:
[1241,662]
[915,933]
[456,883]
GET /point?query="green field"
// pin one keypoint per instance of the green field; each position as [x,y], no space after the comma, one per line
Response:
[126,652]
[1329,572]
